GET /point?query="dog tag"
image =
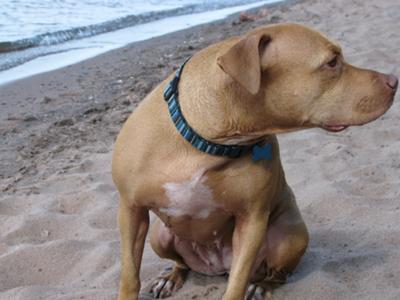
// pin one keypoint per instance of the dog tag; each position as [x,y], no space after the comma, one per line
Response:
[262,152]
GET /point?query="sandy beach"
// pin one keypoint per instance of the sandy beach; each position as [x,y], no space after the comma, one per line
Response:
[58,205]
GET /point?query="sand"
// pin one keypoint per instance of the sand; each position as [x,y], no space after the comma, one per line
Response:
[58,206]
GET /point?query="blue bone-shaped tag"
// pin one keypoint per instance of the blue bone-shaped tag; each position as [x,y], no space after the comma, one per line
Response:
[262,152]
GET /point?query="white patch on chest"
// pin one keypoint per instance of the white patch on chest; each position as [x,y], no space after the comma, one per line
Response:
[189,198]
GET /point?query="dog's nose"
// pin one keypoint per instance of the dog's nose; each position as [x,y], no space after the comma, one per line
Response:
[392,81]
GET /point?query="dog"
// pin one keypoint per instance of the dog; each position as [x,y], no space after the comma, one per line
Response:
[200,152]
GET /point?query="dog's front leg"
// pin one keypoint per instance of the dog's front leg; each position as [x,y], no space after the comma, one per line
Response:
[133,224]
[247,239]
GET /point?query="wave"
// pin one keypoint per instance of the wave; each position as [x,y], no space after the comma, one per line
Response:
[62,36]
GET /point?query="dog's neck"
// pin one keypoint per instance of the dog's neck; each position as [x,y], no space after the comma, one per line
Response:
[217,109]
[171,96]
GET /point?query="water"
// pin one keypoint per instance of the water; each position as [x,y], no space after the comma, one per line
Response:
[34,32]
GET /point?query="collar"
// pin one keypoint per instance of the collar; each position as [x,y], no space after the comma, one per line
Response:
[197,141]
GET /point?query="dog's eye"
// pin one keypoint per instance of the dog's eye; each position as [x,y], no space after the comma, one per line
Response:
[333,62]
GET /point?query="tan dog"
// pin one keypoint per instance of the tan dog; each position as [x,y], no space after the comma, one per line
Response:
[233,215]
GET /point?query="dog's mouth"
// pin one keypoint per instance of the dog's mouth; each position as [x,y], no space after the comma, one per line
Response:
[335,128]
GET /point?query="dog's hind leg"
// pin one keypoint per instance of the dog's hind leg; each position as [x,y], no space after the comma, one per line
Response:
[173,278]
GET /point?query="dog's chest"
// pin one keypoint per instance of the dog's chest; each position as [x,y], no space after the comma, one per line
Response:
[192,197]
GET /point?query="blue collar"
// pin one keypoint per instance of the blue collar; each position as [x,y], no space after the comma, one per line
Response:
[197,141]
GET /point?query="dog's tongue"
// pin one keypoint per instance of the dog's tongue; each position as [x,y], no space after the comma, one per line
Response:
[336,128]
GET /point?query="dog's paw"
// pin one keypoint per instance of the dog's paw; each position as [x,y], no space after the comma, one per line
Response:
[262,289]
[258,292]
[169,282]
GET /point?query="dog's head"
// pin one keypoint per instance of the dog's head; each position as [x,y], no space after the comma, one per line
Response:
[298,79]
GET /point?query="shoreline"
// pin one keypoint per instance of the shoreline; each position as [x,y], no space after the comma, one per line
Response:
[76,51]
[58,206]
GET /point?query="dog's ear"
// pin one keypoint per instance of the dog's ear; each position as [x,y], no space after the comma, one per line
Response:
[243,61]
